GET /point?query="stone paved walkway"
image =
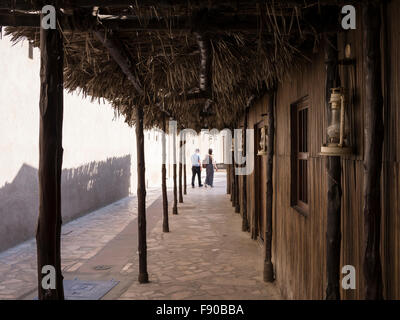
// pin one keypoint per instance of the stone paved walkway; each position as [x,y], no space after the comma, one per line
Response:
[82,239]
[205,255]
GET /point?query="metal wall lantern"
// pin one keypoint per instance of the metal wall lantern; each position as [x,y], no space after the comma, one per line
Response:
[263,141]
[337,130]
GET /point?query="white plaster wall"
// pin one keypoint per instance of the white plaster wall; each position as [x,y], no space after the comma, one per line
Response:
[90,132]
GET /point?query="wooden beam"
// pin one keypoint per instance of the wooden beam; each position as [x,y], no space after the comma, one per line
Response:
[373,144]
[132,23]
[48,233]
[214,23]
[120,55]
[268,267]
[333,231]
[118,52]
[164,176]
[25,5]
[141,197]
[205,75]
[37,5]
[18,20]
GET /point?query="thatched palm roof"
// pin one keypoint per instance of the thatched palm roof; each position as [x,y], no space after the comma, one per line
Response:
[250,45]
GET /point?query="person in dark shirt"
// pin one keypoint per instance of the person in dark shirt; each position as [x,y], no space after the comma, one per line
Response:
[210,167]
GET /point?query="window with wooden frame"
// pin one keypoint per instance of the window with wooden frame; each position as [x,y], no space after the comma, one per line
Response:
[299,156]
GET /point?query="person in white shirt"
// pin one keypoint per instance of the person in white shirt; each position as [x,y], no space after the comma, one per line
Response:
[196,167]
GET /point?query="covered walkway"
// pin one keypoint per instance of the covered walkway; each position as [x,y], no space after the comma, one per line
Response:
[205,256]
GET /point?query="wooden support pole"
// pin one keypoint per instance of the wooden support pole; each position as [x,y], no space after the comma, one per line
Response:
[389,219]
[184,179]
[373,144]
[164,177]
[228,179]
[268,267]
[141,195]
[232,171]
[333,231]
[184,169]
[175,205]
[180,169]
[245,221]
[236,202]
[237,195]
[233,180]
[48,233]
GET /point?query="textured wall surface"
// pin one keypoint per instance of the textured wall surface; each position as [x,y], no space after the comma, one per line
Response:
[84,189]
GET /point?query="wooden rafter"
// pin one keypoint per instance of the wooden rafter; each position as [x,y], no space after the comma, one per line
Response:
[215,21]
[36,5]
[205,76]
[117,51]
[132,23]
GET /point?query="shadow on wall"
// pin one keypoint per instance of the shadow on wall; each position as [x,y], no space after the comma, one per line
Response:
[84,189]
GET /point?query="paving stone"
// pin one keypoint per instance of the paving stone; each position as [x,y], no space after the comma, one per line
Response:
[205,256]
[81,239]
[181,295]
